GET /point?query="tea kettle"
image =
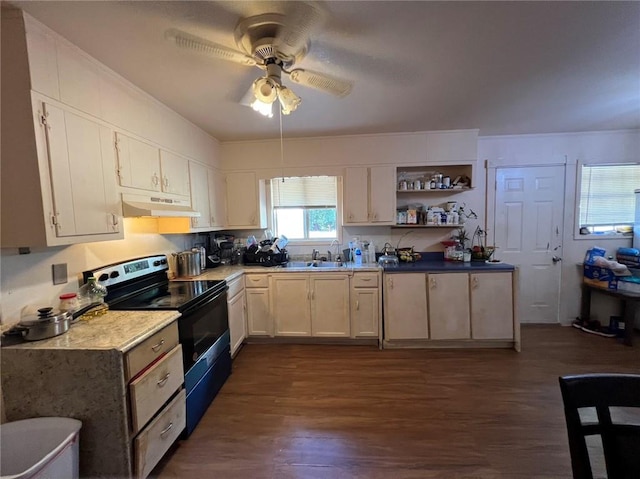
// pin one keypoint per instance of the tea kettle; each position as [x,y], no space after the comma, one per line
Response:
[388,257]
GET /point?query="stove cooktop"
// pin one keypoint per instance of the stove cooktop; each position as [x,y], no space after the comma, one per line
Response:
[170,295]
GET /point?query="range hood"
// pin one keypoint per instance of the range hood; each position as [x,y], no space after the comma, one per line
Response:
[156,206]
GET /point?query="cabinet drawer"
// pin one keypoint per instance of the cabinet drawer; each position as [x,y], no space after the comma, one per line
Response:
[152,389]
[151,349]
[235,286]
[365,280]
[256,281]
[159,435]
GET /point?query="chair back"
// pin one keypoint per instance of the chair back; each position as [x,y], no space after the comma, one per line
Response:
[620,442]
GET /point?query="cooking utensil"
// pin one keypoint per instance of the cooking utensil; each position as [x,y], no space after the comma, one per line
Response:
[188,263]
[46,324]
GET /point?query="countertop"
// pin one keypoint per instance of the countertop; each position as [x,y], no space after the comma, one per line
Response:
[119,330]
[448,267]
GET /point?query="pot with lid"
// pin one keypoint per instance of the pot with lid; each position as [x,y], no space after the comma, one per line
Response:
[47,323]
[188,263]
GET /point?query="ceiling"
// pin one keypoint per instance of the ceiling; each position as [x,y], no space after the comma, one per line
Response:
[501,67]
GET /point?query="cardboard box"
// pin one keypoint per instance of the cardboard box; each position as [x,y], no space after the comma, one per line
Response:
[600,277]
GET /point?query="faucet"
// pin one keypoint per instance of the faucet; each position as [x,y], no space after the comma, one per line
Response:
[314,254]
[329,255]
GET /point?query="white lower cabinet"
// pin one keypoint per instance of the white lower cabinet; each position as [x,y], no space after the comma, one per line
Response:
[330,305]
[491,318]
[310,304]
[290,304]
[365,305]
[237,314]
[259,322]
[449,305]
[405,306]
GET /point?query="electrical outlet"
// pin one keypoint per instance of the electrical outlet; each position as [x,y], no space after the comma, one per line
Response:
[59,273]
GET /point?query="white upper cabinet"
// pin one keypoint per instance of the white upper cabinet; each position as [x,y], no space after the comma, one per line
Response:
[79,80]
[217,198]
[138,163]
[200,195]
[246,201]
[175,173]
[147,167]
[82,167]
[369,195]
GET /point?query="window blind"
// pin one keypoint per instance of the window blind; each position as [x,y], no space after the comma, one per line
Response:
[315,191]
[607,194]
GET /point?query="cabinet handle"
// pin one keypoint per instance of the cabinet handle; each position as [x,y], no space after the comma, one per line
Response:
[157,347]
[163,381]
[114,219]
[194,222]
[365,279]
[475,283]
[433,283]
[213,220]
[391,282]
[155,180]
[375,216]
[357,305]
[166,430]
[165,181]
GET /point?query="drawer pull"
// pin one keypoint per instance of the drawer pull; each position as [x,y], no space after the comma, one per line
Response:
[365,279]
[166,430]
[157,347]
[163,380]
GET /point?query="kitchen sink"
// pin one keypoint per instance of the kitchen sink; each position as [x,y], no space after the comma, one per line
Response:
[314,264]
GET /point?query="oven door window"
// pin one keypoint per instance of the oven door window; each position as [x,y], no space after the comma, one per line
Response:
[201,326]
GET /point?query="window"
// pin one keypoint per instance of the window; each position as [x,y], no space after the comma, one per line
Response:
[305,208]
[607,200]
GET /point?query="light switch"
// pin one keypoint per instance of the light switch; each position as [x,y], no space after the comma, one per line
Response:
[60,273]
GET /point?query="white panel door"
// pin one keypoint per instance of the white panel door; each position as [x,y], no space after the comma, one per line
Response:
[449,305]
[356,195]
[405,308]
[330,305]
[217,198]
[382,195]
[528,234]
[200,194]
[175,173]
[290,300]
[138,163]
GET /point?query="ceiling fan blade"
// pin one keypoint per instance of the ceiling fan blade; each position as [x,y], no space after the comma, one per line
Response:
[320,81]
[304,20]
[200,45]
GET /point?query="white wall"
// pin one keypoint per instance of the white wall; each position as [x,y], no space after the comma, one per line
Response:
[27,279]
[569,149]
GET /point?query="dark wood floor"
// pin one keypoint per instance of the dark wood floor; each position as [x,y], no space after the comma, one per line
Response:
[306,411]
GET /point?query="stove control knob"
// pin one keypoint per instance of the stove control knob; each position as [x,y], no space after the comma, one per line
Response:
[103,277]
[163,261]
[157,263]
[114,274]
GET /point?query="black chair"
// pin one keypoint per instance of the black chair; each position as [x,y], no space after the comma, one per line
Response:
[620,442]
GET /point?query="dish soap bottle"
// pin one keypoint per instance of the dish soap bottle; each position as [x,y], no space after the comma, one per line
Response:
[358,256]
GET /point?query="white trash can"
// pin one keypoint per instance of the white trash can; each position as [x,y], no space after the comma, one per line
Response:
[42,446]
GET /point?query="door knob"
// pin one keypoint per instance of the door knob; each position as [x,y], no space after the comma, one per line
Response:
[556,259]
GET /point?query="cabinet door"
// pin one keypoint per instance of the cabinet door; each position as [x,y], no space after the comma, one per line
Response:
[200,194]
[365,312]
[245,201]
[356,196]
[491,319]
[405,314]
[217,198]
[237,321]
[175,173]
[82,175]
[449,306]
[258,312]
[382,195]
[290,298]
[329,305]
[138,163]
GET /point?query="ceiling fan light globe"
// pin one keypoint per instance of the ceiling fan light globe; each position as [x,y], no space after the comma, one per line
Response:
[265,90]
[288,99]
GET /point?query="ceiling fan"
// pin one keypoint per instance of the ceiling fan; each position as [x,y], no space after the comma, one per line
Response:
[273,42]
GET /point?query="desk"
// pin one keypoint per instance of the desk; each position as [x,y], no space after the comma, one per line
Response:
[630,302]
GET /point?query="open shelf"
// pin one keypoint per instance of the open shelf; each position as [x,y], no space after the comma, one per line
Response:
[446,191]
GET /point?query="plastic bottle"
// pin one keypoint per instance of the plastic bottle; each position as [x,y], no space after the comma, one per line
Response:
[92,292]
[358,257]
